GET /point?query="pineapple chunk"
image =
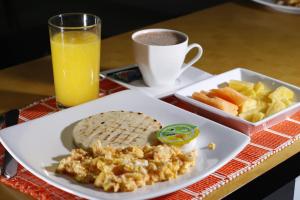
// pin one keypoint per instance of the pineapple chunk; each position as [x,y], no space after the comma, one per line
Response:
[263,97]
[252,115]
[281,93]
[261,105]
[240,85]
[275,107]
[247,115]
[257,116]
[261,90]
[244,87]
[249,93]
[259,87]
[287,102]
[249,104]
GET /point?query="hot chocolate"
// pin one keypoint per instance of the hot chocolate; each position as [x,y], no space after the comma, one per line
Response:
[160,38]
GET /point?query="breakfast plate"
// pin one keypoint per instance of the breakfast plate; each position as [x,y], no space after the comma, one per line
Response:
[188,77]
[282,8]
[39,144]
[230,120]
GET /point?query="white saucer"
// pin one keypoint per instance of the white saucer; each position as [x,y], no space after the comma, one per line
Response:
[190,76]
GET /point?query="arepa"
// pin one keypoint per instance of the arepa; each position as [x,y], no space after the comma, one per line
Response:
[116,129]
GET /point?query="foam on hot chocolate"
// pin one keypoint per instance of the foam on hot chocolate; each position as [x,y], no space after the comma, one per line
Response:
[160,38]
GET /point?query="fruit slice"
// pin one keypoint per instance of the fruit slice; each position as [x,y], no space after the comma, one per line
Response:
[249,93]
[261,105]
[250,104]
[257,116]
[216,102]
[281,93]
[240,85]
[275,107]
[259,87]
[252,115]
[229,94]
[247,115]
[287,102]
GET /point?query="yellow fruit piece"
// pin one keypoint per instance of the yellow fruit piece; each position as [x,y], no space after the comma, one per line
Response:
[275,107]
[281,93]
[257,116]
[249,93]
[240,85]
[287,102]
[263,97]
[244,87]
[247,115]
[252,115]
[250,104]
[261,105]
[259,87]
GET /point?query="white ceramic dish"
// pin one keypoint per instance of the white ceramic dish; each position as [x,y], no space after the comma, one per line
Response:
[281,8]
[38,144]
[188,77]
[234,121]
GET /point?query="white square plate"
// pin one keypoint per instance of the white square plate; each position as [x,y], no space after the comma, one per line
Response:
[38,143]
[236,122]
[188,77]
[281,8]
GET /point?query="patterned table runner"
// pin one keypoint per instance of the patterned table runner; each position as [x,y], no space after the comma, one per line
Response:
[263,144]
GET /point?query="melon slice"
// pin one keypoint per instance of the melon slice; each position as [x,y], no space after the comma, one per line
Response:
[230,95]
[216,102]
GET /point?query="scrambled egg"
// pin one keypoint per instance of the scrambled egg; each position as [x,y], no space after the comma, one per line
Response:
[126,169]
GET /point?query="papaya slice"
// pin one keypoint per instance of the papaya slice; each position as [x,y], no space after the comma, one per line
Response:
[229,94]
[216,102]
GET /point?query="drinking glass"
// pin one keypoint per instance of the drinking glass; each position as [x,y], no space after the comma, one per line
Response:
[75,40]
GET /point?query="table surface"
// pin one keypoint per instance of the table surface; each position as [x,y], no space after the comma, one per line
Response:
[232,34]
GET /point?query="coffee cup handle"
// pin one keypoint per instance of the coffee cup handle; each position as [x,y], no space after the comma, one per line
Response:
[195,59]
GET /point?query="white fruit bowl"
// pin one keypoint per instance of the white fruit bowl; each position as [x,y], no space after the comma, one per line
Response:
[232,121]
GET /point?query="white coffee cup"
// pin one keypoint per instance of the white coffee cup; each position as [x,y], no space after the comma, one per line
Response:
[162,64]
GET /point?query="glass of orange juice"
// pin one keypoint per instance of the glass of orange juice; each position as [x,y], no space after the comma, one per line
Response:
[75,49]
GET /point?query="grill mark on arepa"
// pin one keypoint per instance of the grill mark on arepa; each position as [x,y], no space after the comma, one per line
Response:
[119,128]
[107,137]
[114,129]
[114,139]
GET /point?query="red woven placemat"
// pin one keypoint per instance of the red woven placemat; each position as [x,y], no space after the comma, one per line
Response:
[262,145]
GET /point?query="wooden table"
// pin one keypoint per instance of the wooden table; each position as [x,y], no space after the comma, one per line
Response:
[232,35]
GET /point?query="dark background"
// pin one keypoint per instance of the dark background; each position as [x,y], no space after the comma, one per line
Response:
[24,30]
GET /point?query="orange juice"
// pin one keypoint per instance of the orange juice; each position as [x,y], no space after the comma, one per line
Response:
[76,66]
